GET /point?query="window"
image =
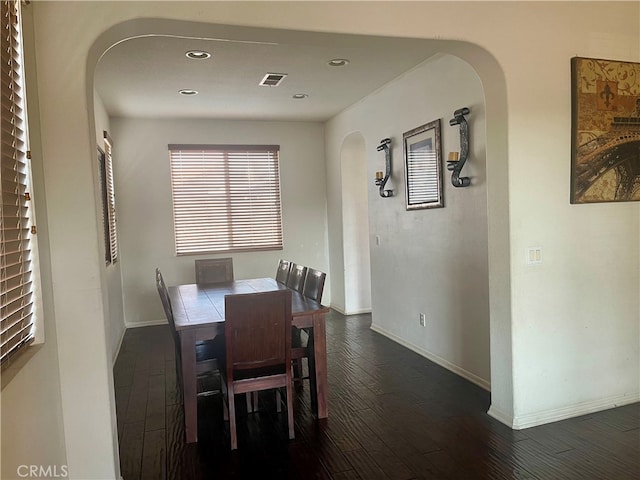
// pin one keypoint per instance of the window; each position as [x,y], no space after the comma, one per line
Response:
[102,173]
[226,198]
[108,202]
[17,230]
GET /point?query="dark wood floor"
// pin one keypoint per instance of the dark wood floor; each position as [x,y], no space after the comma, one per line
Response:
[392,415]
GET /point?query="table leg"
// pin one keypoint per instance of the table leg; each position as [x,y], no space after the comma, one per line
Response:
[311,362]
[320,365]
[189,384]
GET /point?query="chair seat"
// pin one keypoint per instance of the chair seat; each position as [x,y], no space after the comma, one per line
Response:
[258,372]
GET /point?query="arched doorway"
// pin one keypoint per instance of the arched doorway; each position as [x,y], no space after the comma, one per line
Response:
[355,230]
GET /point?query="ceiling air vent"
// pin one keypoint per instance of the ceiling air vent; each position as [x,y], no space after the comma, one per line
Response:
[272,79]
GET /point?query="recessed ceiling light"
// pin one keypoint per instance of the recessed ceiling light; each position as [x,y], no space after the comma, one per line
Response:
[300,96]
[198,54]
[187,92]
[338,62]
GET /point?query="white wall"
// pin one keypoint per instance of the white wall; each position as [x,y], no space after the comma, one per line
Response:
[433,260]
[112,294]
[551,355]
[145,215]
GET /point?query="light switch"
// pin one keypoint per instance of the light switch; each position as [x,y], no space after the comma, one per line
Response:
[534,255]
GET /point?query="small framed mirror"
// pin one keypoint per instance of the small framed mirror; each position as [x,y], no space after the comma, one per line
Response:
[423,166]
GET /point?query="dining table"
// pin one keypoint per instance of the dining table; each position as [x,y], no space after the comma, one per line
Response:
[198,312]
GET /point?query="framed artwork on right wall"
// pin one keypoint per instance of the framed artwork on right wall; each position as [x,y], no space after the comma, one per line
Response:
[605,133]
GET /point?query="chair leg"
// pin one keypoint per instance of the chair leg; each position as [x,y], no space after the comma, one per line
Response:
[232,417]
[278,400]
[290,409]
[225,400]
[296,341]
[297,371]
[249,402]
[178,363]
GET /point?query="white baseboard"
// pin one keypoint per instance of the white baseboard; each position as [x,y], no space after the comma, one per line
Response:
[148,323]
[352,312]
[117,352]
[501,416]
[584,408]
[481,382]
[337,308]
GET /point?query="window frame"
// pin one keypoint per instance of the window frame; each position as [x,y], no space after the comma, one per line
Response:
[225,198]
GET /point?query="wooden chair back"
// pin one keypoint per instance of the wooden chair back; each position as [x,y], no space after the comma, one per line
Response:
[257,330]
[282,274]
[166,304]
[314,284]
[296,277]
[214,270]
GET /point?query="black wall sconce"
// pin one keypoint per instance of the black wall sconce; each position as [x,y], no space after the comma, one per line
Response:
[381,178]
[455,162]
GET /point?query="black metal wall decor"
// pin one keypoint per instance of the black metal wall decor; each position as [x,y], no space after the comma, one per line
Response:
[381,178]
[455,163]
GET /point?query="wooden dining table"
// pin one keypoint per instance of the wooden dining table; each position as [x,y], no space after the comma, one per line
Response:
[198,311]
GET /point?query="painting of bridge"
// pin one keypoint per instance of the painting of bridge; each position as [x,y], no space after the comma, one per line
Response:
[605,163]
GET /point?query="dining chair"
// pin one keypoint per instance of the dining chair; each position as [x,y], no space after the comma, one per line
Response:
[312,288]
[282,274]
[258,349]
[296,277]
[207,352]
[314,284]
[214,270]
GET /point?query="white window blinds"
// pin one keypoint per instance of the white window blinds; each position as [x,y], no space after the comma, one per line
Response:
[226,198]
[110,210]
[16,230]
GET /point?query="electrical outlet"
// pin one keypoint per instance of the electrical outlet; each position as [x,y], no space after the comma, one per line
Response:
[423,320]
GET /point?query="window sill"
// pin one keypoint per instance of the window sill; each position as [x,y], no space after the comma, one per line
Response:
[15,364]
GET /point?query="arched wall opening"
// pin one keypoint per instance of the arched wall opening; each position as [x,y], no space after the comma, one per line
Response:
[338,192]
[432,261]
[355,221]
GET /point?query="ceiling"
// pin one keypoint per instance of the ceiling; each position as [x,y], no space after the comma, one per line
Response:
[141,77]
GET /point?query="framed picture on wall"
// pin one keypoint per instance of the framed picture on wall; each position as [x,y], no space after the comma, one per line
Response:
[423,166]
[605,133]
